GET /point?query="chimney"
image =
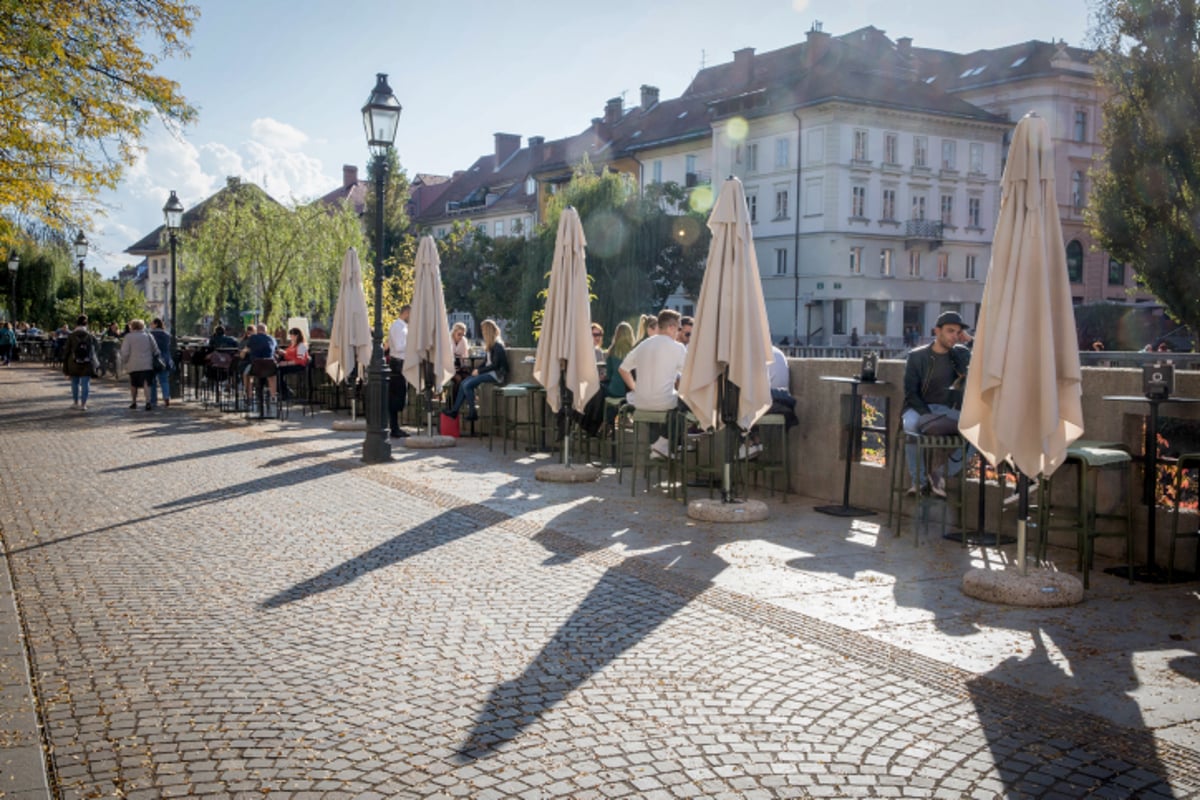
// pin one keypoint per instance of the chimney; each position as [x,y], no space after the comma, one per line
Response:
[743,66]
[904,46]
[536,146]
[349,175]
[612,110]
[818,43]
[649,96]
[506,145]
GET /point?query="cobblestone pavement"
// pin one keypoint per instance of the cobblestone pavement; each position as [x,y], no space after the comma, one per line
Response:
[214,611]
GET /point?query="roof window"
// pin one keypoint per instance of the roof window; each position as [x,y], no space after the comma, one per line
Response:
[1018,62]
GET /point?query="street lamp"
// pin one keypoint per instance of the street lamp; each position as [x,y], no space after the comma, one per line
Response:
[173,211]
[14,263]
[381,115]
[81,246]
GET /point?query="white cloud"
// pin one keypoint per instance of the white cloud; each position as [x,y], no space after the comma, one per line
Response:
[270,153]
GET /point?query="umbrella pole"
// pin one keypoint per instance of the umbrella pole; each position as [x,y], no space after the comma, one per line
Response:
[1022,518]
[564,423]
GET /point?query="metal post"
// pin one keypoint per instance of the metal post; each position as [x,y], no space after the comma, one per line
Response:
[176,392]
[81,287]
[12,298]
[376,447]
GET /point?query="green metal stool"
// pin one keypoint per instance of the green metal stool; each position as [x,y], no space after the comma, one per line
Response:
[1186,461]
[1090,458]
[927,446]
[773,461]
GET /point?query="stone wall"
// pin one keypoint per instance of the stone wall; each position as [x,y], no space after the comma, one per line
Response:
[819,442]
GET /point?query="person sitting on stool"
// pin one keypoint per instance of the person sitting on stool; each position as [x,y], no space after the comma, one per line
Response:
[933,377]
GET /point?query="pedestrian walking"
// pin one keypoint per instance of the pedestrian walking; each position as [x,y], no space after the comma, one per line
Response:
[162,377]
[8,342]
[138,351]
[79,362]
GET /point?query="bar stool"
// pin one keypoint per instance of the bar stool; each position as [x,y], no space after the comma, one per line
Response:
[773,461]
[1090,458]
[1186,461]
[640,422]
[506,412]
[927,447]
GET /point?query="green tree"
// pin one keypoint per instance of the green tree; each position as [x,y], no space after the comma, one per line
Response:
[104,301]
[1145,201]
[79,86]
[259,254]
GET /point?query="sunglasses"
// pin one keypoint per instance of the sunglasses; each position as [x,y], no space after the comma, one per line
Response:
[597,335]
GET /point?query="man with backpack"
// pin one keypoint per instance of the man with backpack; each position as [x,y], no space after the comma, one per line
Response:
[79,362]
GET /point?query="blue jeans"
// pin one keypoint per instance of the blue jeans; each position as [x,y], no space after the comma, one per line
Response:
[916,472]
[466,390]
[80,385]
[162,379]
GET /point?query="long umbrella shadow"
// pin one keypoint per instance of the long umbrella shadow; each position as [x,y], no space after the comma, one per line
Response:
[442,529]
[1037,753]
[619,612]
[240,447]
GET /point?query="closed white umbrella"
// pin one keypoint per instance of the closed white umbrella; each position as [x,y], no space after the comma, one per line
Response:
[731,340]
[566,356]
[429,349]
[350,337]
[1022,400]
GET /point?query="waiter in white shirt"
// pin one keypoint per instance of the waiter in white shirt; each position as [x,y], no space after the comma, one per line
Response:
[397,341]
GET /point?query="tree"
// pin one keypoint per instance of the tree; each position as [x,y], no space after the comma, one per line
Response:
[262,255]
[79,88]
[1145,203]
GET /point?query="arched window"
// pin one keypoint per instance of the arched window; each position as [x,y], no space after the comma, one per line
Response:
[1075,261]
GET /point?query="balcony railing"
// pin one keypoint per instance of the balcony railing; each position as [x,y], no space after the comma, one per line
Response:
[918,231]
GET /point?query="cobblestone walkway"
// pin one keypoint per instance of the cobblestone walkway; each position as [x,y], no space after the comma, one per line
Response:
[214,613]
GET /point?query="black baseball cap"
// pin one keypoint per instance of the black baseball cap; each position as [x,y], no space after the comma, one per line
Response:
[950,318]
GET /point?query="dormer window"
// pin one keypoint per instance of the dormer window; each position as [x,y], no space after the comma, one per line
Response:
[530,185]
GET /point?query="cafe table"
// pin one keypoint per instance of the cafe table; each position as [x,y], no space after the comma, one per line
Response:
[845,509]
[1150,572]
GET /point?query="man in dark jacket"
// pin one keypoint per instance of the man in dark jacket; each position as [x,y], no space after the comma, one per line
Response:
[162,378]
[933,378]
[79,354]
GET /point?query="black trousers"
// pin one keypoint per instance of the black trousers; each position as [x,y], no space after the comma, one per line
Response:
[397,391]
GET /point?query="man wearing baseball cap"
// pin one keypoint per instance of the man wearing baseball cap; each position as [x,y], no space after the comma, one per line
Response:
[933,379]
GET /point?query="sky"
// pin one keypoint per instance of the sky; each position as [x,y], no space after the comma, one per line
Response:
[280,84]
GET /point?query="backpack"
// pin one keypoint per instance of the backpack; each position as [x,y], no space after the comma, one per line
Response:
[83,350]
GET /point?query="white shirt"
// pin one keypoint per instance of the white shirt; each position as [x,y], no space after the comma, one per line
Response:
[397,339]
[778,371]
[658,360]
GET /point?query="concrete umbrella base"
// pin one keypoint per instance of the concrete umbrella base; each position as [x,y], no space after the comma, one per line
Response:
[422,442]
[359,424]
[1038,589]
[708,510]
[562,473]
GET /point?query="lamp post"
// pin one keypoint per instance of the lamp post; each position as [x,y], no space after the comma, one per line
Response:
[381,115]
[173,212]
[81,247]
[14,263]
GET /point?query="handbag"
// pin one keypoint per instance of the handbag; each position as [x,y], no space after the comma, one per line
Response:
[158,364]
[943,423]
[448,425]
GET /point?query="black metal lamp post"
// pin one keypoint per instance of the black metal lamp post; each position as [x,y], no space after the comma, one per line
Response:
[173,211]
[14,263]
[81,247]
[381,116]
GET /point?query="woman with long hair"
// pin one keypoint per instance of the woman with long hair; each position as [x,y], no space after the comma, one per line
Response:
[647,326]
[622,342]
[493,370]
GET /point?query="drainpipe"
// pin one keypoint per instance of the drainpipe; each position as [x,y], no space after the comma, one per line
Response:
[796,244]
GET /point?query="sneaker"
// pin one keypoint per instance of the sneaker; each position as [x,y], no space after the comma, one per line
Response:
[937,485]
[133,406]
[399,434]
[913,491]
[83,406]
[660,450]
[747,454]
[149,407]
[1012,498]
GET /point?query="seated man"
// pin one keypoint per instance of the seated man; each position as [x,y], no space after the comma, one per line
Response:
[258,345]
[658,360]
[933,377]
[221,339]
